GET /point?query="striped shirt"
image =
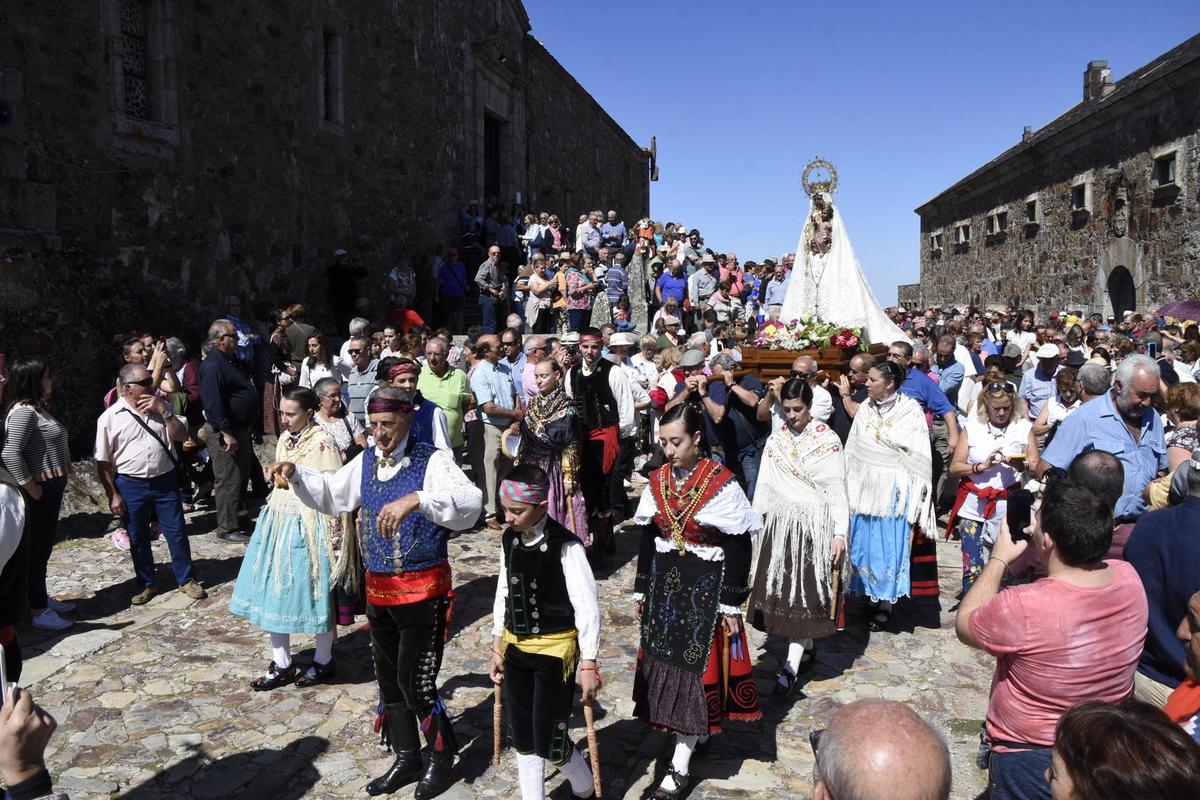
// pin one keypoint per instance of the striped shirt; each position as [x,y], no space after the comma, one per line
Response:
[35,445]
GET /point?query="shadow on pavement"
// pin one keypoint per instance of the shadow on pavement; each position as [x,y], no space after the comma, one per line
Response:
[286,774]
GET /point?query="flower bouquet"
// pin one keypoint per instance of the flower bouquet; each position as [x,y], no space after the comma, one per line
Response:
[806,333]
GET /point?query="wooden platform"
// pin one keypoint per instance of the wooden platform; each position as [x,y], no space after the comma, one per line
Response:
[768,364]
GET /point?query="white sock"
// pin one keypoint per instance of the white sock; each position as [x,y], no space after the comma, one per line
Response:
[324,652]
[531,769]
[794,654]
[684,745]
[578,774]
[281,650]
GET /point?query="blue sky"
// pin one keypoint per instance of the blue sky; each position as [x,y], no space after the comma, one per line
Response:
[904,98]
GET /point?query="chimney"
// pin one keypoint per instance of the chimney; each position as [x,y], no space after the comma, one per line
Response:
[1027,134]
[1097,81]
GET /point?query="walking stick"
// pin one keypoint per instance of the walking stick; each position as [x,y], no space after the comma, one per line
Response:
[593,749]
[496,730]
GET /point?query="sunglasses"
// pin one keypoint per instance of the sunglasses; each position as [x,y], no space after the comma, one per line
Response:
[354,351]
[999,387]
[145,383]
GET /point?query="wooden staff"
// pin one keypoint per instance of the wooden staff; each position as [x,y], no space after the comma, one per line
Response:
[593,748]
[496,730]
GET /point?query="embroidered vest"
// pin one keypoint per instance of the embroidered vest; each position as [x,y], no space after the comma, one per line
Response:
[422,424]
[677,505]
[420,543]
[537,601]
[594,402]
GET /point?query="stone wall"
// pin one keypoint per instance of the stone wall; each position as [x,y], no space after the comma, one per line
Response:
[1066,257]
[241,180]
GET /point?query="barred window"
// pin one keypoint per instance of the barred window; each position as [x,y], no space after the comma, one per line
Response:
[133,56]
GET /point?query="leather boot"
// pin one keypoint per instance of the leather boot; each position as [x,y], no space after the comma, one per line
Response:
[407,767]
[437,775]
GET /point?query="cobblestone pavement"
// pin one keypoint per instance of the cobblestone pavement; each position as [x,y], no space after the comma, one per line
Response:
[154,702]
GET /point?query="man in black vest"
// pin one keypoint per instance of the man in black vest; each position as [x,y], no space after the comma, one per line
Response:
[604,405]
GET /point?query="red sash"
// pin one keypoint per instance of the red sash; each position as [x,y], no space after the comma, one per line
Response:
[608,438]
[988,494]
[408,587]
[1184,702]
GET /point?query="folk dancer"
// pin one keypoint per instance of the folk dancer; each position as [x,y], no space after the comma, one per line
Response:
[408,582]
[693,667]
[889,455]
[604,406]
[545,625]
[801,494]
[296,556]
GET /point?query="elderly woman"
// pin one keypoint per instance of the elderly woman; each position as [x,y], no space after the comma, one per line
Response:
[889,458]
[580,289]
[36,455]
[992,454]
[344,428]
[1059,406]
[549,438]
[1183,409]
[295,558]
[319,363]
[801,494]
[537,307]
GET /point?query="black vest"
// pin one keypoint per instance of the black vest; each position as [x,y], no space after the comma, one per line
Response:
[537,601]
[594,402]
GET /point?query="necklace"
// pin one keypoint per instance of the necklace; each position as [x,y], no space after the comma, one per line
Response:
[883,423]
[680,501]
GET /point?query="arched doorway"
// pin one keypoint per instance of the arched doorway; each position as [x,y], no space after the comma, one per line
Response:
[1120,292]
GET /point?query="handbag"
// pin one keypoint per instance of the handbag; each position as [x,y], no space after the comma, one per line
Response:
[355,448]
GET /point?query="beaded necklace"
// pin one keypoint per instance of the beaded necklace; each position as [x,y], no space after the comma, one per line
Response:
[685,495]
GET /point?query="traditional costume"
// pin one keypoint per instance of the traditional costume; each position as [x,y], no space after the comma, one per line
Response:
[890,468]
[550,440]
[293,561]
[408,585]
[547,615]
[693,567]
[801,494]
[603,405]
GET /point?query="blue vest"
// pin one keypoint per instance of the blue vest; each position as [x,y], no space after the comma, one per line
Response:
[420,544]
[422,424]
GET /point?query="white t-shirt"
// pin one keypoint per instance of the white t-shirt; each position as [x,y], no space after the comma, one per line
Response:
[982,440]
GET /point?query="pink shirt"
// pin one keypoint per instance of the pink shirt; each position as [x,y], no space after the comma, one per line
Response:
[125,444]
[1057,644]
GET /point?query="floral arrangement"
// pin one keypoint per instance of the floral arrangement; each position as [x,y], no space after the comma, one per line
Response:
[807,333]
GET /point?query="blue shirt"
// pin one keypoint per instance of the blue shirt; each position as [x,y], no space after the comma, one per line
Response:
[950,378]
[776,291]
[1036,389]
[613,235]
[1096,425]
[616,283]
[1164,548]
[515,372]
[672,287]
[929,396]
[490,385]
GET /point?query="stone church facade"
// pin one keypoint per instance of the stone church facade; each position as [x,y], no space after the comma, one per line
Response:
[157,154]
[1098,211]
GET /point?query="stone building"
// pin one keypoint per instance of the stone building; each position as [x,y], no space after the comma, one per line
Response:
[156,154]
[1099,210]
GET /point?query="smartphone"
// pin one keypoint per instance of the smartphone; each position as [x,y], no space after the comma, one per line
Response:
[1020,513]
[1152,349]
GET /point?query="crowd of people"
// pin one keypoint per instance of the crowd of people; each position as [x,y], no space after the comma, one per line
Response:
[1062,451]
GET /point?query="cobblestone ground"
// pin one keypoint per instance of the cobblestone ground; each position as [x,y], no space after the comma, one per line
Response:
[154,702]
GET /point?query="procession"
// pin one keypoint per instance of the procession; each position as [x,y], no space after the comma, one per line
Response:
[588,506]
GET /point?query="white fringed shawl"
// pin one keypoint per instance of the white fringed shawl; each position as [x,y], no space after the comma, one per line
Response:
[801,493]
[889,464]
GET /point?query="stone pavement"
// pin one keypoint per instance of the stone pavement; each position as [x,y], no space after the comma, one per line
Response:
[154,702]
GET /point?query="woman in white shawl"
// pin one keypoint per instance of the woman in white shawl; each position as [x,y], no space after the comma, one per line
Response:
[801,493]
[890,467]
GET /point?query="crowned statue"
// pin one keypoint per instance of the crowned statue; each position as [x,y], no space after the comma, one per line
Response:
[827,282]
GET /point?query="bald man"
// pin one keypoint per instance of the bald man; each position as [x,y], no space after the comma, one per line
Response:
[880,750]
[771,408]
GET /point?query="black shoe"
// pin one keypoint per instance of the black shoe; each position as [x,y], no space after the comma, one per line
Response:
[237,537]
[680,789]
[703,745]
[404,770]
[437,776]
[880,621]
[274,678]
[320,673]
[785,682]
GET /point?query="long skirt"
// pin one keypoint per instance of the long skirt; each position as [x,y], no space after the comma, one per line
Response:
[806,618]
[880,557]
[275,587]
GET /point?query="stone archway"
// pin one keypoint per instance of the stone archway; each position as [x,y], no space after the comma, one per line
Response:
[1121,291]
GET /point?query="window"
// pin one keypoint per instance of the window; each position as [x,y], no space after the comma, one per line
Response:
[962,234]
[134,55]
[1031,211]
[935,241]
[331,78]
[1164,170]
[1079,197]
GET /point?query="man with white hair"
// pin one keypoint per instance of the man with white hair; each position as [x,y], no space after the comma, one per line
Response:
[879,750]
[359,326]
[1122,422]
